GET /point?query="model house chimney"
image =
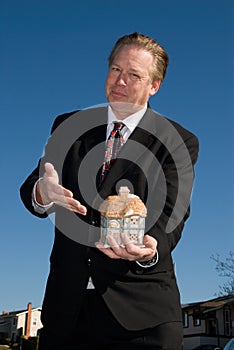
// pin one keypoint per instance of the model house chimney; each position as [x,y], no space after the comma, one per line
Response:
[28,321]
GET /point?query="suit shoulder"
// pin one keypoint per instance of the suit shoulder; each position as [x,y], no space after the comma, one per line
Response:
[185,133]
[191,140]
[61,118]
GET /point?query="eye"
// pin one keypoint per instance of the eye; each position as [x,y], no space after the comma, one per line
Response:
[115,69]
[135,76]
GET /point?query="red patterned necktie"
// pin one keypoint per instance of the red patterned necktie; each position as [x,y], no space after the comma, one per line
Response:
[113,145]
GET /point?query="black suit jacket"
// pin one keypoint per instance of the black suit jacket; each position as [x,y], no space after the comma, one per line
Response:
[157,164]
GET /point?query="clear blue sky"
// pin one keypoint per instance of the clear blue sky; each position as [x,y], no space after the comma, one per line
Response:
[54,60]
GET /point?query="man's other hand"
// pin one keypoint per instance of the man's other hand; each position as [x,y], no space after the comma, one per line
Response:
[49,191]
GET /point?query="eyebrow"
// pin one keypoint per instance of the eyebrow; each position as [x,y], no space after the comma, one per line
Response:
[134,70]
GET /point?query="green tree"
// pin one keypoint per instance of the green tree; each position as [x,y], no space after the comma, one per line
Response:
[225,268]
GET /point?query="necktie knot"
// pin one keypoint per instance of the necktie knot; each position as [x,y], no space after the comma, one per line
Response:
[117,128]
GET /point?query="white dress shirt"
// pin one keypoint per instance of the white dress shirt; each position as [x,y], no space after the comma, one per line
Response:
[130,122]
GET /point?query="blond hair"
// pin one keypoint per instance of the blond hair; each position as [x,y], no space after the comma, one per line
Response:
[160,56]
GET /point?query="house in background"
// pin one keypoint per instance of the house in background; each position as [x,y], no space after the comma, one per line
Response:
[24,322]
[208,322]
[205,322]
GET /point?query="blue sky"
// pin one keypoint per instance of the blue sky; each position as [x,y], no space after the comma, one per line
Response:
[54,60]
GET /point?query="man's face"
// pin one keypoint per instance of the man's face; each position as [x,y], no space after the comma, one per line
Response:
[128,83]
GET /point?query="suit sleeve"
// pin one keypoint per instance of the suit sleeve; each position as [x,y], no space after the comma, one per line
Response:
[187,171]
[177,170]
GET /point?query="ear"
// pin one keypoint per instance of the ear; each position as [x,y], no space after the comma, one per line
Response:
[155,87]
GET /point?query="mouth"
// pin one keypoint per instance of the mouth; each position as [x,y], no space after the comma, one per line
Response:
[117,93]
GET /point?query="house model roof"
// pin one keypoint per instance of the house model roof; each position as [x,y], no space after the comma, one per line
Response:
[123,205]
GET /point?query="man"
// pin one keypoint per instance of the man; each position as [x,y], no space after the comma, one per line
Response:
[125,296]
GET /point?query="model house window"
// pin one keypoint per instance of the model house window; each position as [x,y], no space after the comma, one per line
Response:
[34,322]
[185,319]
[14,321]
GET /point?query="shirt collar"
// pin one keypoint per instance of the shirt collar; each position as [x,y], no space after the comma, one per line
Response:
[131,121]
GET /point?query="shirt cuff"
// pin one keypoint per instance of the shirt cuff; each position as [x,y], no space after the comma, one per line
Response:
[149,263]
[39,208]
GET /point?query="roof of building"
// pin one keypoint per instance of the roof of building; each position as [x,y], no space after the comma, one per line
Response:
[212,304]
[17,312]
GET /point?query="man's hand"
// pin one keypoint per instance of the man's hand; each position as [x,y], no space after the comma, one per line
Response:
[130,251]
[48,190]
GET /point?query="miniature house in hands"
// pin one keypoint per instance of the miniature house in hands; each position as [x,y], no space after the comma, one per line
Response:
[123,213]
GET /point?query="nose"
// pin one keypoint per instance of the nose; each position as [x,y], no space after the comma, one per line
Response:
[120,80]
